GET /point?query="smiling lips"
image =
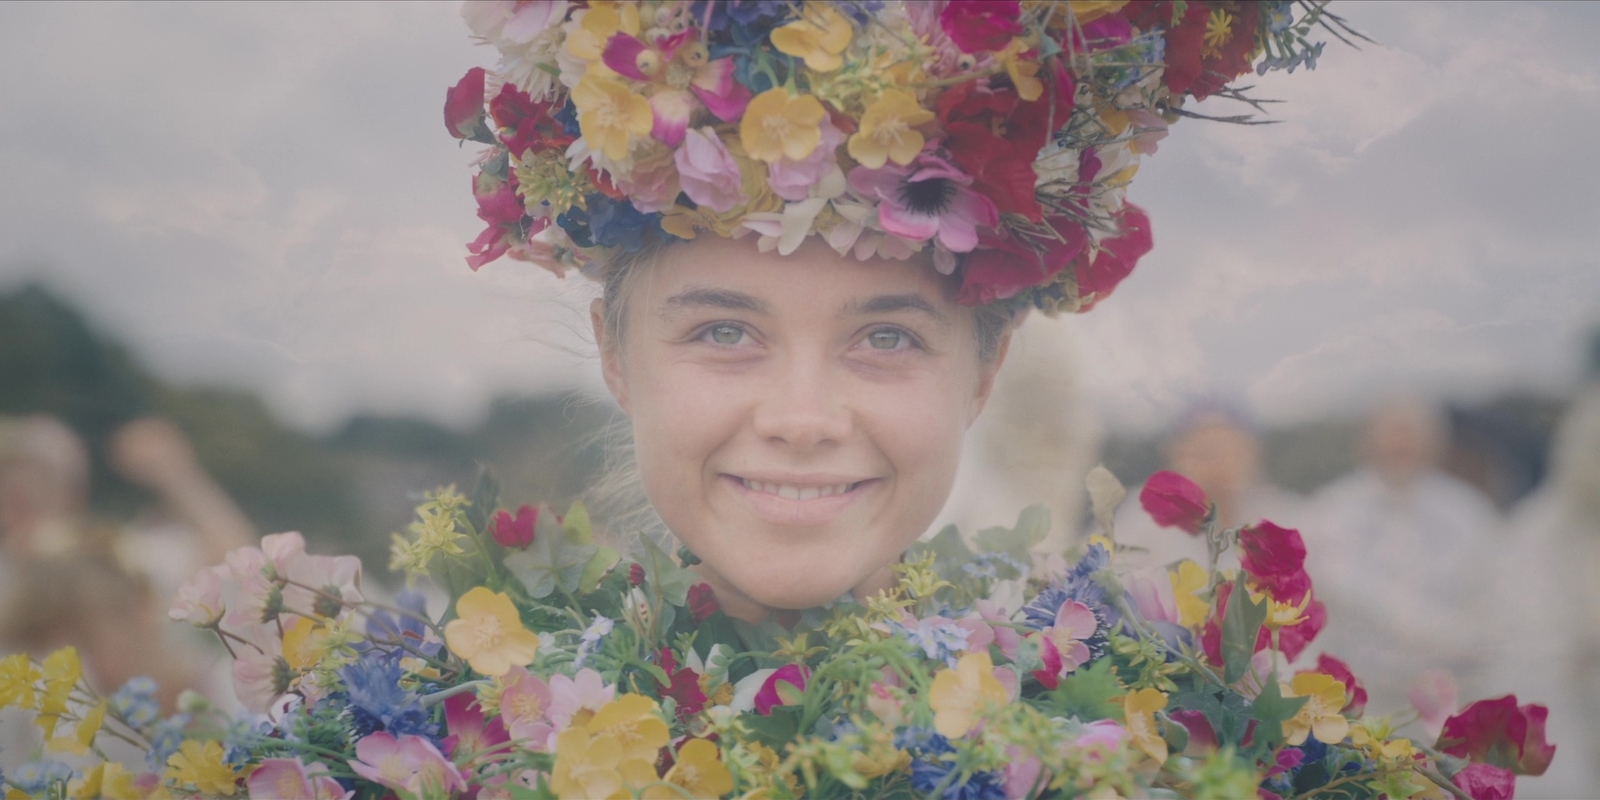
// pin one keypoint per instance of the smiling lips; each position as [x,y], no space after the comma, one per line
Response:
[792,492]
[808,503]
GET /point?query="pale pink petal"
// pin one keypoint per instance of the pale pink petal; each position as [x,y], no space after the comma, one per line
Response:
[1076,620]
[532,18]
[672,109]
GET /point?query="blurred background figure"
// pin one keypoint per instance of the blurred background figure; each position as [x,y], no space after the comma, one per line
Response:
[1551,600]
[44,488]
[1033,443]
[1403,555]
[1218,448]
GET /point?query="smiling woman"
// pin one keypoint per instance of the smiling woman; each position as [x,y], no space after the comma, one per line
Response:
[797,420]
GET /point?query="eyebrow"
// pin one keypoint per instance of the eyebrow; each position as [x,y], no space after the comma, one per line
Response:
[703,297]
[890,303]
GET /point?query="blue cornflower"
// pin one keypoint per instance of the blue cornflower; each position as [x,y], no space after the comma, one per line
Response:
[982,568]
[1078,584]
[930,767]
[917,739]
[384,626]
[747,14]
[136,702]
[568,117]
[379,702]
[36,777]
[616,223]
[938,637]
[166,737]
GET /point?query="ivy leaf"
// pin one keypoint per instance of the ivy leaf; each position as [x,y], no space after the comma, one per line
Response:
[664,574]
[1228,715]
[1032,526]
[1271,709]
[950,553]
[777,729]
[1241,626]
[1088,693]
[552,562]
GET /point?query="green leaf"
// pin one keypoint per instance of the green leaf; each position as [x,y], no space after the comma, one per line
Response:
[664,575]
[576,525]
[484,497]
[551,562]
[1087,694]
[777,729]
[1241,626]
[950,553]
[1228,715]
[1032,526]
[1271,709]
[603,560]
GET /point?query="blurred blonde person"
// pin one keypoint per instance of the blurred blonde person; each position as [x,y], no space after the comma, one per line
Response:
[1551,606]
[1403,554]
[1219,450]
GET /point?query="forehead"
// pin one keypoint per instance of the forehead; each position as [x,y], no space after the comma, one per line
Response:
[733,273]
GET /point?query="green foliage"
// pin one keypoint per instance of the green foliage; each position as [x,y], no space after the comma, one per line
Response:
[1241,627]
[664,575]
[1089,694]
[1033,523]
[554,561]
[1271,709]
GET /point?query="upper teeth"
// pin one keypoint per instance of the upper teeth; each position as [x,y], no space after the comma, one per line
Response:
[797,492]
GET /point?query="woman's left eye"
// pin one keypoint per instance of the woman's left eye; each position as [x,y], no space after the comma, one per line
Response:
[888,339]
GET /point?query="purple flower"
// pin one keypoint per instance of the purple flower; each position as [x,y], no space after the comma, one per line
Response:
[928,197]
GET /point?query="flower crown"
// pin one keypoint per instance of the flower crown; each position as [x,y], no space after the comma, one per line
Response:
[1001,135]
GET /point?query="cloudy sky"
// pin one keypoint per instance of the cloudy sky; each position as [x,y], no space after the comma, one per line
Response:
[263,195]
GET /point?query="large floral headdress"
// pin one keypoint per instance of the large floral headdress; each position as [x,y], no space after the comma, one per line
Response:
[999,135]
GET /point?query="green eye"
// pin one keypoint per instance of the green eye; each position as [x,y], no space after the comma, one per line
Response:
[726,334]
[885,339]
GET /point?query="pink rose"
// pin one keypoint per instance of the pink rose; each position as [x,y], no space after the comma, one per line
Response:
[792,180]
[1174,501]
[707,171]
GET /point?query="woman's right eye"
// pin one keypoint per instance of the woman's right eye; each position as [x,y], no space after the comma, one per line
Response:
[725,334]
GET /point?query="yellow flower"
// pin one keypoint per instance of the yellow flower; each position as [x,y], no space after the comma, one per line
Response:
[603,20]
[304,644]
[1139,716]
[108,780]
[82,734]
[698,773]
[593,767]
[1219,29]
[17,676]
[631,719]
[1087,11]
[61,672]
[819,36]
[1320,715]
[960,696]
[201,764]
[779,125]
[888,130]
[1024,72]
[488,633]
[1187,582]
[1284,615]
[609,115]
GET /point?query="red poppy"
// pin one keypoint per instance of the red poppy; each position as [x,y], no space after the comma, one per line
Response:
[1192,65]
[526,125]
[1174,501]
[994,136]
[1004,264]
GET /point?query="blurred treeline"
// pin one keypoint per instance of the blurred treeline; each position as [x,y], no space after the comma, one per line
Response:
[346,491]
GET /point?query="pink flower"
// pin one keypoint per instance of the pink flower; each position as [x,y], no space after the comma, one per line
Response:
[711,82]
[260,675]
[652,185]
[1501,733]
[792,180]
[1102,737]
[1202,737]
[1486,782]
[703,601]
[331,577]
[1275,558]
[927,198]
[1005,636]
[501,208]
[1433,695]
[200,600]
[463,105]
[471,733]
[1074,625]
[782,688]
[707,171]
[516,21]
[1022,772]
[585,691]
[1174,501]
[525,705]
[409,764]
[514,532]
[976,25]
[288,779]
[1152,596]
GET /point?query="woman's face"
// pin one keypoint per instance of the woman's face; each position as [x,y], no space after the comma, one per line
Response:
[798,419]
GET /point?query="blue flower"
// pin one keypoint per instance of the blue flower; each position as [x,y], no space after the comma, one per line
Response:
[1078,584]
[36,777]
[616,223]
[165,739]
[379,702]
[136,702]
[1279,15]
[568,117]
[918,739]
[746,14]
[384,626]
[940,638]
[930,767]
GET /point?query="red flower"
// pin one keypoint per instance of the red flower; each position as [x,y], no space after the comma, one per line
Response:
[703,602]
[683,687]
[1275,557]
[1486,782]
[636,574]
[1116,257]
[1340,671]
[976,25]
[1501,733]
[463,107]
[1174,501]
[994,136]
[773,695]
[1004,264]
[517,532]
[1194,66]
[1202,737]
[525,125]
[498,205]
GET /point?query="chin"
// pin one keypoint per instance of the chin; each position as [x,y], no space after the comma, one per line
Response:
[789,585]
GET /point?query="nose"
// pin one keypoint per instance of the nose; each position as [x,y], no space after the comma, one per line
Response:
[803,406]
